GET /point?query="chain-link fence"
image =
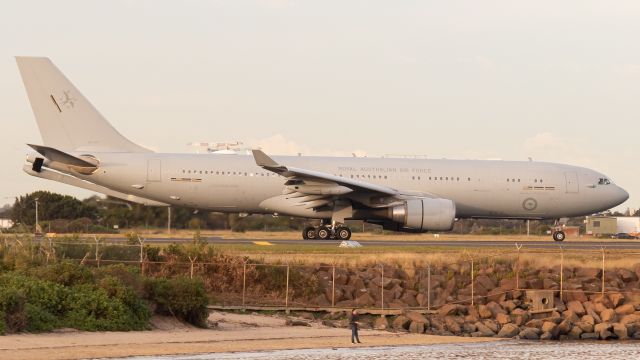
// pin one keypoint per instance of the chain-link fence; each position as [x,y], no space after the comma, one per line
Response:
[471,279]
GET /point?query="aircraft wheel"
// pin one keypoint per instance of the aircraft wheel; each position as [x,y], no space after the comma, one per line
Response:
[559,236]
[324,233]
[343,233]
[309,233]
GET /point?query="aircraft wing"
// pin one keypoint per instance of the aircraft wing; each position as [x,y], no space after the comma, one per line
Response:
[315,187]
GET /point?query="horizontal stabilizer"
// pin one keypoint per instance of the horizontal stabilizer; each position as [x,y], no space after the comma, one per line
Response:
[73,181]
[62,157]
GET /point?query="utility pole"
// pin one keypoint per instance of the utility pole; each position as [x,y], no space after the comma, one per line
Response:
[37,225]
[169,220]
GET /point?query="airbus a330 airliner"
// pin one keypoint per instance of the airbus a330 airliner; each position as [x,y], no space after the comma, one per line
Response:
[82,149]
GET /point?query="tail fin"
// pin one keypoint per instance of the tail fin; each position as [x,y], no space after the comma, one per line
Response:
[66,119]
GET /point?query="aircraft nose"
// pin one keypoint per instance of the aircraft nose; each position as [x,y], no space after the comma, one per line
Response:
[621,195]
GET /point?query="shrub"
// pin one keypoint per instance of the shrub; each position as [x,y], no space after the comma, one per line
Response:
[181,297]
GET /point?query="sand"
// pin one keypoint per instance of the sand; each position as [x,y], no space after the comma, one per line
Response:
[235,332]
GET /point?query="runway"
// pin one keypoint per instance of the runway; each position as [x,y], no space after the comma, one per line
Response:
[534,244]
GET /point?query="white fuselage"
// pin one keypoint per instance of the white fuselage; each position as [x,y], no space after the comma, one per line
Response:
[479,188]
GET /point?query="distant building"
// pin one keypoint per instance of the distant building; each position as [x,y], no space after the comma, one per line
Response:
[608,225]
[6,224]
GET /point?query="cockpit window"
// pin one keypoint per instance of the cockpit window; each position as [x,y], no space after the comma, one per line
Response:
[603,181]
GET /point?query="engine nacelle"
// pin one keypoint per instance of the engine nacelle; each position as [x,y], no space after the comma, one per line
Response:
[425,214]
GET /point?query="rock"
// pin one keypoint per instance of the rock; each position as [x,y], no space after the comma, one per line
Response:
[416,316]
[416,327]
[401,323]
[530,334]
[627,275]
[409,299]
[503,319]
[585,326]
[292,322]
[546,336]
[422,299]
[571,316]
[598,307]
[452,325]
[565,326]
[508,331]
[485,282]
[491,324]
[484,330]
[574,333]
[621,331]
[560,305]
[617,299]
[603,299]
[550,327]
[589,336]
[496,295]
[469,328]
[495,308]
[508,305]
[630,319]
[576,295]
[306,315]
[602,330]
[329,323]
[608,315]
[588,319]
[576,307]
[322,301]
[625,309]
[449,309]
[381,323]
[484,312]
[535,323]
[364,300]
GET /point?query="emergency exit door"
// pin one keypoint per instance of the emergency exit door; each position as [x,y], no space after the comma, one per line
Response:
[154,168]
[572,182]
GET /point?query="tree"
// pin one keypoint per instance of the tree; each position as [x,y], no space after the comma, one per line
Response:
[51,206]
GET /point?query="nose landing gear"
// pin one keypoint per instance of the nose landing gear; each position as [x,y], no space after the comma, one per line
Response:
[558,235]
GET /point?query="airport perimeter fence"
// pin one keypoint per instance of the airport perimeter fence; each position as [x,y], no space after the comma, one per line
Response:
[471,279]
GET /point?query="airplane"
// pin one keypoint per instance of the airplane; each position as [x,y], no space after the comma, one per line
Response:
[80,148]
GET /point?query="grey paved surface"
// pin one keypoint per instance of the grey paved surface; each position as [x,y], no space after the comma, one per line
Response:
[547,244]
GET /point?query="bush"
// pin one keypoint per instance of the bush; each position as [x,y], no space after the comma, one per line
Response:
[184,298]
[67,295]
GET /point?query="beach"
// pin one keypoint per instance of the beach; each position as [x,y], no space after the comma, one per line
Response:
[233,333]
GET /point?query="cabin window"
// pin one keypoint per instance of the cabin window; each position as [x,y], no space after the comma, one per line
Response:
[596,223]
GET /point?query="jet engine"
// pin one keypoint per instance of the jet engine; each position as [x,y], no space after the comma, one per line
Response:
[414,215]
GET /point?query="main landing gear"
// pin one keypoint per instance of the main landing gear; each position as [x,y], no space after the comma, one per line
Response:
[326,232]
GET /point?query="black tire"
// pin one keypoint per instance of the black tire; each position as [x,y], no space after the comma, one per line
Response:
[559,236]
[343,233]
[309,233]
[324,233]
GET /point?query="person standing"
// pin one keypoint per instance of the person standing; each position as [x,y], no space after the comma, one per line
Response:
[354,322]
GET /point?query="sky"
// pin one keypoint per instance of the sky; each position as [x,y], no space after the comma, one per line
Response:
[551,80]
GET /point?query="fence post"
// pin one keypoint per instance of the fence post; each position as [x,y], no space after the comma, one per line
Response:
[518,246]
[382,287]
[333,287]
[602,286]
[472,281]
[244,283]
[429,286]
[192,260]
[561,273]
[141,241]
[97,250]
[286,295]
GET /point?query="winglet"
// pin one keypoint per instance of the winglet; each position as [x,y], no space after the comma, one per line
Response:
[263,159]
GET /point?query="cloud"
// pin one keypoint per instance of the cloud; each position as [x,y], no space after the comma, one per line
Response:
[548,146]
[278,144]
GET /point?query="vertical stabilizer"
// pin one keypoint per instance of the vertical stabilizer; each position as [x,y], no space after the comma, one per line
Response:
[66,119]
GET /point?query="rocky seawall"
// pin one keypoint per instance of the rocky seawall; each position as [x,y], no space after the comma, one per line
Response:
[497,301]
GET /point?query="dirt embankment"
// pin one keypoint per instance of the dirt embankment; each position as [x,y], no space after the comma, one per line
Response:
[234,332]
